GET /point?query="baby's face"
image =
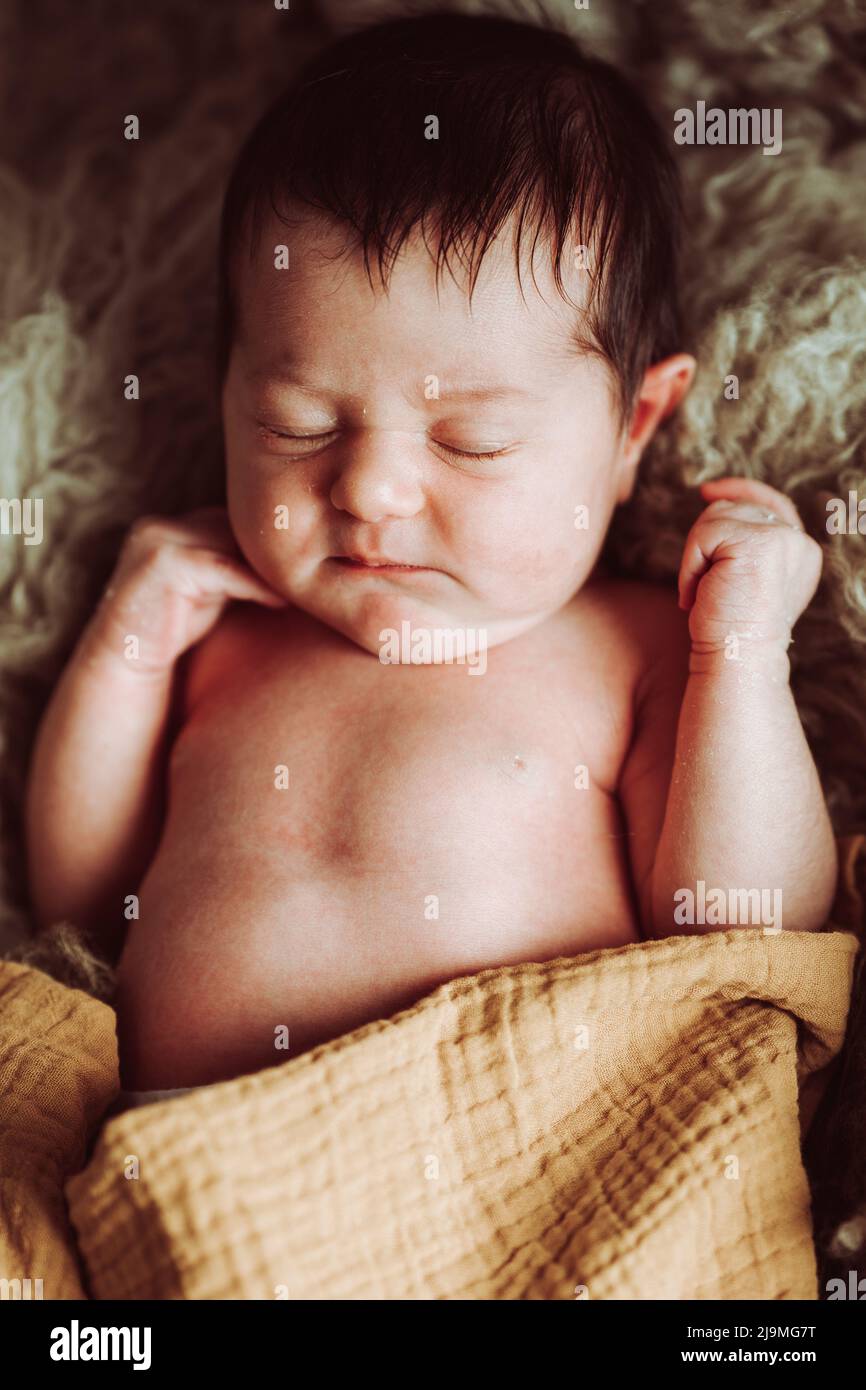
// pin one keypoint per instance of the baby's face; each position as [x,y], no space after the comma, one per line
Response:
[368,430]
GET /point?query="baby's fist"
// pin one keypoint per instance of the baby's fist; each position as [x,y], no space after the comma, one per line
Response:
[748,569]
[172,581]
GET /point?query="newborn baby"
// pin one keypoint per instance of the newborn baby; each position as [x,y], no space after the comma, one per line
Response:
[254,761]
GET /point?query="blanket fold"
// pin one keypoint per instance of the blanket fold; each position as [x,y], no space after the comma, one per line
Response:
[620,1125]
[58,1071]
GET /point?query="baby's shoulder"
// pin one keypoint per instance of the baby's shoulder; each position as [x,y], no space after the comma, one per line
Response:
[203,663]
[239,642]
[639,623]
[636,600]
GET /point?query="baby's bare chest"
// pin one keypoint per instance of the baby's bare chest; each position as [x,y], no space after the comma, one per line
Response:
[351,767]
[342,837]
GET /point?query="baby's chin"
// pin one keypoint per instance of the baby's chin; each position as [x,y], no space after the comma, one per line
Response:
[379,617]
[408,627]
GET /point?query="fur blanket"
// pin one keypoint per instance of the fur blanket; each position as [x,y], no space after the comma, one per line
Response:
[107,268]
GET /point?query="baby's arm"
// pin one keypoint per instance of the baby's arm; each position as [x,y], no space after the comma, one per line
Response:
[94,789]
[742,807]
[94,795]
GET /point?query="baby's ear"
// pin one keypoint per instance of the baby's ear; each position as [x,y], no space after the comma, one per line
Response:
[663,387]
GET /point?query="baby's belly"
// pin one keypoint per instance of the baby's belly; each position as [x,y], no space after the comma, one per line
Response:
[244,956]
[286,908]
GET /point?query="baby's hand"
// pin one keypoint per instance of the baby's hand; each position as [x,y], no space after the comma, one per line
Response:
[171,583]
[748,569]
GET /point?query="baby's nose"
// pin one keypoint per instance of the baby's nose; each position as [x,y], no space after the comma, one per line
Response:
[378,477]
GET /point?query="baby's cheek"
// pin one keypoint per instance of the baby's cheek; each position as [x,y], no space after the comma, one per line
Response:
[269,524]
[545,530]
[548,566]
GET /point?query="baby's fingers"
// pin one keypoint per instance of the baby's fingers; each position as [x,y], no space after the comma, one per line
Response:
[205,574]
[693,567]
[760,495]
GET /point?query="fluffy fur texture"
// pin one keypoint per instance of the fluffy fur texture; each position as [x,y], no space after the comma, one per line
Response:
[107,268]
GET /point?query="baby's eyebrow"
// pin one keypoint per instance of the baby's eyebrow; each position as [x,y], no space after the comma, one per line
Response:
[486,392]
[278,374]
[446,392]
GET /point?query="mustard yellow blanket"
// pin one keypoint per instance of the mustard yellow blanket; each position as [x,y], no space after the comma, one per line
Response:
[622,1125]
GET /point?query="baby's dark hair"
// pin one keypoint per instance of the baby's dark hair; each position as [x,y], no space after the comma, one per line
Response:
[527,125]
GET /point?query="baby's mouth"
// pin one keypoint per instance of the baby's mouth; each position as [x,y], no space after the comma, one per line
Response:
[380,564]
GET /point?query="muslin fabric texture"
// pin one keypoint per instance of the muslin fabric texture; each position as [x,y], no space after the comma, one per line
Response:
[620,1125]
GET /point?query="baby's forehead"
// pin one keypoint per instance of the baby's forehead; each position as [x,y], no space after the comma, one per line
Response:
[305,267]
[315,242]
